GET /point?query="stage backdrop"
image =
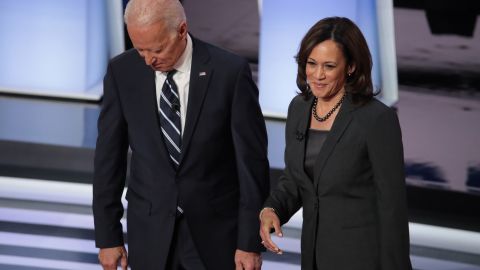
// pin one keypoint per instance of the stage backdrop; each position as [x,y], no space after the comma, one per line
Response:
[58,48]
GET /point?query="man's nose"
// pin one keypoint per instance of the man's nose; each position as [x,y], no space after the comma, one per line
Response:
[149,59]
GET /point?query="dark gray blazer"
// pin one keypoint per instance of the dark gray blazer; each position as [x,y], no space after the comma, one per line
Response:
[354,210]
[222,180]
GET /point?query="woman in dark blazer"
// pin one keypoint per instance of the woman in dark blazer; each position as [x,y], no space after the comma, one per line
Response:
[344,160]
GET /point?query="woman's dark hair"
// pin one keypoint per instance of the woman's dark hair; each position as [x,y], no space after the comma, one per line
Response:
[351,41]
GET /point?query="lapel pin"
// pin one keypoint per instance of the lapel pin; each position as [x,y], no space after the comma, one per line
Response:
[203,73]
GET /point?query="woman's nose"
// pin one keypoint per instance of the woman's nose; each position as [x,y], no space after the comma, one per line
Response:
[320,73]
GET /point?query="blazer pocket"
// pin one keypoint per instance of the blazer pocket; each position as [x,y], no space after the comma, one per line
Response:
[138,204]
[226,204]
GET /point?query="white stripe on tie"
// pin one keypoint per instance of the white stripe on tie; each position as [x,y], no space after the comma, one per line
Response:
[171,89]
[170,140]
[168,103]
[174,160]
[169,121]
[165,99]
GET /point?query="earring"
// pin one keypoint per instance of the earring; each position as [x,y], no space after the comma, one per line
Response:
[307,86]
[349,74]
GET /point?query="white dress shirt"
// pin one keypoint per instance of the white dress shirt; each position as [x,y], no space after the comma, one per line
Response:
[181,78]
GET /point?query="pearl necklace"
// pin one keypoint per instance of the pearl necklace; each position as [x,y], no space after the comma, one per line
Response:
[323,119]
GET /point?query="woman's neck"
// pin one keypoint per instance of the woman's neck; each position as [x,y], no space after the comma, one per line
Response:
[326,104]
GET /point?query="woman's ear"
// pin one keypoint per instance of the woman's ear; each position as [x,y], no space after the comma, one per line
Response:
[351,69]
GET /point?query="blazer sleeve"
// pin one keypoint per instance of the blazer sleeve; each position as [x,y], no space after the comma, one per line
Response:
[285,197]
[250,143]
[110,166]
[385,150]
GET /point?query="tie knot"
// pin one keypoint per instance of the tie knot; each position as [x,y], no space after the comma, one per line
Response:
[171,73]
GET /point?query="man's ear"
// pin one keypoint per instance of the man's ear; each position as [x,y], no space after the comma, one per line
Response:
[183,30]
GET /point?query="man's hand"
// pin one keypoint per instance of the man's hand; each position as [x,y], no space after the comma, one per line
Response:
[269,220]
[247,260]
[109,258]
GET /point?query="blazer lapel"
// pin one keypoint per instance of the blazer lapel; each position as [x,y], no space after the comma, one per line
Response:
[341,122]
[200,75]
[302,128]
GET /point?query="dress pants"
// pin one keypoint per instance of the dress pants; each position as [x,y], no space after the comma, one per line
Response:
[183,254]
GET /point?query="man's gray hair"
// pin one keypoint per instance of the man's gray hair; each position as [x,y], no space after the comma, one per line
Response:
[146,12]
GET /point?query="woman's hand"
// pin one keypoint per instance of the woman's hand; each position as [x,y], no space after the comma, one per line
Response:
[269,220]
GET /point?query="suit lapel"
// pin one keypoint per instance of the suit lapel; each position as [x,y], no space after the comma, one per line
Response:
[149,97]
[200,75]
[341,122]
[147,80]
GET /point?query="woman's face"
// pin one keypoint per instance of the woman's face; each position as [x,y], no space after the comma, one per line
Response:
[326,70]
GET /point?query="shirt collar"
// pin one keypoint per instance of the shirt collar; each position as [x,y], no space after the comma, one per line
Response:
[185,61]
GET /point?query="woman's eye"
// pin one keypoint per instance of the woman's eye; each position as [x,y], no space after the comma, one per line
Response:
[311,63]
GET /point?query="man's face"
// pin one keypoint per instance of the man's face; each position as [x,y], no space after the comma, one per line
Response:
[159,46]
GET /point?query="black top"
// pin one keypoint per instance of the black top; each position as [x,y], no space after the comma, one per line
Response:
[315,141]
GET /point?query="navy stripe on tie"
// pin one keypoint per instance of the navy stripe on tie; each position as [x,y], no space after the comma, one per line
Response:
[170,118]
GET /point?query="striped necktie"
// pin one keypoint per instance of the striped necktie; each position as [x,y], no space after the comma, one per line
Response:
[170,118]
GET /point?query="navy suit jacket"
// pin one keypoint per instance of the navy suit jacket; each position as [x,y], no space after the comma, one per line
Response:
[222,179]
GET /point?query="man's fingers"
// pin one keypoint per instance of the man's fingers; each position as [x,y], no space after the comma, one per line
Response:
[247,260]
[247,266]
[109,263]
[110,257]
[124,261]
[109,266]
[258,263]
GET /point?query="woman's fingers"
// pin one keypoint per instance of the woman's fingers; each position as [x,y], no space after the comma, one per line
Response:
[270,221]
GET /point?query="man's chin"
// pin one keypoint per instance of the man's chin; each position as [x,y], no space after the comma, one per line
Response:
[161,68]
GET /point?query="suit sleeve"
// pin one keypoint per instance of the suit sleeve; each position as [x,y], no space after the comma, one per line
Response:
[285,197]
[250,142]
[385,150]
[109,167]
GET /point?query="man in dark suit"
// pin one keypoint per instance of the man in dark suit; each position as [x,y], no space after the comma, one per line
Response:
[189,113]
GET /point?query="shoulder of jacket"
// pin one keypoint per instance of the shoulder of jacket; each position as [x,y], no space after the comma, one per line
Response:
[297,102]
[371,112]
[221,55]
[374,107]
[126,56]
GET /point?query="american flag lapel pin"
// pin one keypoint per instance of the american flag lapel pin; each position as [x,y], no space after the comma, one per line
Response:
[202,73]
